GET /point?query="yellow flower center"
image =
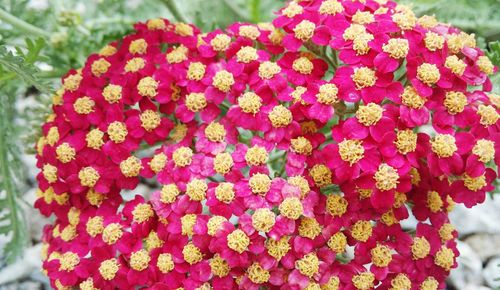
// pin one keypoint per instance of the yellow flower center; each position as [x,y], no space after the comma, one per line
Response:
[303,65]
[268,69]
[428,74]
[68,261]
[257,274]
[336,205]
[223,80]
[327,94]
[353,31]
[95,198]
[109,268]
[214,224]
[489,115]
[196,71]
[381,256]
[107,50]
[215,132]
[280,116]
[192,254]
[72,82]
[112,93]
[444,258]
[147,87]
[165,263]
[196,189]
[225,192]
[361,230]
[139,260]
[112,233]
[256,156]
[351,151]
[304,30]
[364,77]
[474,183]
[321,175]
[444,145]
[291,208]
[485,150]
[117,131]
[337,242]
[247,54]
[455,102]
[397,48]
[456,65]
[363,17]
[52,136]
[293,9]
[301,183]
[406,141]
[361,43]
[138,46]
[370,114]
[182,156]
[131,167]
[308,265]
[278,248]
[331,7]
[69,233]
[155,24]
[301,145]
[219,266]
[433,41]
[406,20]
[158,162]
[485,65]
[50,173]
[260,183]
[220,42]
[238,241]
[135,64]
[65,153]
[142,213]
[332,284]
[88,176]
[434,201]
[249,31]
[263,220]
[95,226]
[187,224]
[309,228]
[401,282]
[169,193]
[446,232]
[363,281]
[250,103]
[100,67]
[430,283]
[386,177]
[178,54]
[420,248]
[84,105]
[223,163]
[183,29]
[153,241]
[428,21]
[196,102]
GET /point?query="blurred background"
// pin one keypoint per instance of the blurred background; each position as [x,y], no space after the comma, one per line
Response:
[42,39]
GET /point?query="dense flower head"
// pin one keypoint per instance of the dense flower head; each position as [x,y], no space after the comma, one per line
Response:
[279,156]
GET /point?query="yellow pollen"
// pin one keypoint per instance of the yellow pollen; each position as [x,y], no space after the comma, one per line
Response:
[183,29]
[249,31]
[361,230]
[165,263]
[308,265]
[336,205]
[406,141]
[196,102]
[250,103]
[112,233]
[68,261]
[337,242]
[370,114]
[100,67]
[363,281]
[276,37]
[52,136]
[434,201]
[247,54]
[430,283]
[84,105]
[112,93]
[406,20]
[220,42]
[156,24]
[260,183]
[489,115]
[301,183]
[178,54]
[187,224]
[147,87]
[433,41]
[65,153]
[353,31]
[291,208]
[485,65]
[139,260]
[94,139]
[142,213]
[278,248]
[280,116]
[196,71]
[153,241]
[401,282]
[169,193]
[138,46]
[88,176]
[74,216]
[303,65]
[321,175]
[363,17]
[150,120]
[135,64]
[332,284]
[131,167]
[263,220]
[474,183]
[257,274]
[495,100]
[182,156]
[388,218]
[351,151]
[95,226]
[397,48]
[256,156]
[446,232]
[444,145]
[308,127]
[327,94]
[224,192]
[304,30]
[485,150]
[158,162]
[455,102]
[109,268]
[88,285]
[196,189]
[223,163]
[215,132]
[420,248]
[456,65]
[95,198]
[297,95]
[107,50]
[444,258]
[268,69]
[428,21]
[192,254]
[293,9]
[69,233]
[309,228]
[364,77]
[219,266]
[214,224]
[117,131]
[301,145]
[386,177]
[238,241]
[381,256]
[330,7]
[428,74]
[72,82]
[361,43]
[223,80]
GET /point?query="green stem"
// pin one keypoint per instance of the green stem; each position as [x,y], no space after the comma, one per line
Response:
[22,25]
[255,10]
[172,7]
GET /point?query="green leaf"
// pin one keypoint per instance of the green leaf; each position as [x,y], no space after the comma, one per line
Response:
[494,52]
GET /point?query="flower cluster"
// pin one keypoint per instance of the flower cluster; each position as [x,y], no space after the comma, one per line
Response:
[285,155]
